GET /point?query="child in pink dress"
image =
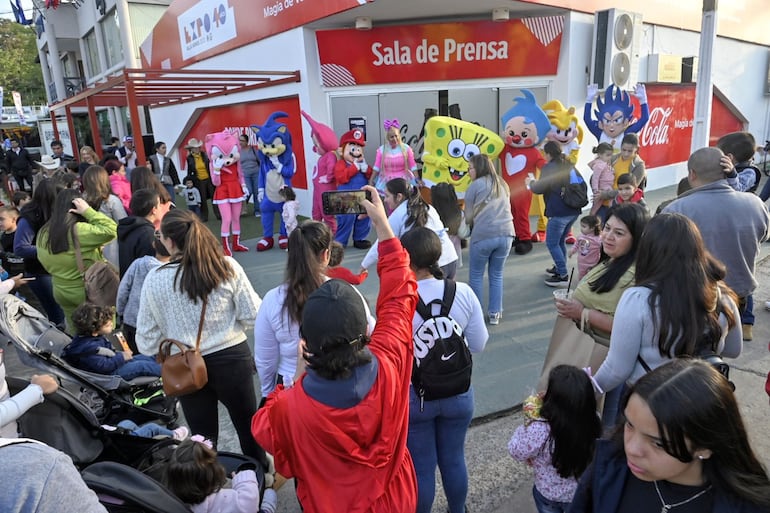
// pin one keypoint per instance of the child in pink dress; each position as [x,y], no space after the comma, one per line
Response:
[588,245]
[394,159]
[603,177]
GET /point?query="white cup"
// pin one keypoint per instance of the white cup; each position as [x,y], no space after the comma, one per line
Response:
[562,294]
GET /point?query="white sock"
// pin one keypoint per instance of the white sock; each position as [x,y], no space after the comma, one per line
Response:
[269,501]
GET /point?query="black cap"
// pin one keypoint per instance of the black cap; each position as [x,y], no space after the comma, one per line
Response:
[333,314]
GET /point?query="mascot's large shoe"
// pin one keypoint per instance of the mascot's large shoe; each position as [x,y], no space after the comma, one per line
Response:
[362,244]
[265,243]
[237,246]
[522,247]
[570,239]
[226,246]
[283,242]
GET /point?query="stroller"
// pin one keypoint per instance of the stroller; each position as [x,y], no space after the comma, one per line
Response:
[124,470]
[110,398]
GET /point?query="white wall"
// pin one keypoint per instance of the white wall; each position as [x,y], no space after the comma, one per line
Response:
[283,52]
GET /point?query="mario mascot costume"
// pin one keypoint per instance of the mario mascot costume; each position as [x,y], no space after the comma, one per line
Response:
[277,167]
[325,145]
[352,172]
[231,191]
[525,125]
[614,114]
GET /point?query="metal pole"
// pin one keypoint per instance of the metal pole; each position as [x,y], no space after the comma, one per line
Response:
[704,85]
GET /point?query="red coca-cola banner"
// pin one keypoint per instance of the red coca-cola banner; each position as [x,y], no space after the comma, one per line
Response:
[665,139]
[238,119]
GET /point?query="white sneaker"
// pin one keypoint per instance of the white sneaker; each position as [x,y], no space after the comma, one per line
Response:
[767,305]
[494,318]
[181,433]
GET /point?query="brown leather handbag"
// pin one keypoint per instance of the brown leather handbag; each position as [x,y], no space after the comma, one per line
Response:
[183,372]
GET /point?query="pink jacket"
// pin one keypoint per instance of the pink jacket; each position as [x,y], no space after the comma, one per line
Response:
[121,187]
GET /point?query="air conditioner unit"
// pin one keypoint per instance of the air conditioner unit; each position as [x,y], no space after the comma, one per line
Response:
[617,41]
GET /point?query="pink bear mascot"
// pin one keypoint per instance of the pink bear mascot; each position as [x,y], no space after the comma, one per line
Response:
[325,144]
[231,190]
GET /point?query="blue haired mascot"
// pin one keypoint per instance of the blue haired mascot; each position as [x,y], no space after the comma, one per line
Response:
[525,125]
[615,114]
[277,167]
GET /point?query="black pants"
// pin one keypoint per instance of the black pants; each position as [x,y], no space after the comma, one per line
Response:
[206,188]
[130,333]
[20,180]
[231,373]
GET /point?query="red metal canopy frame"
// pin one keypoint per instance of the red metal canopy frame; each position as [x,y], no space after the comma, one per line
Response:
[160,87]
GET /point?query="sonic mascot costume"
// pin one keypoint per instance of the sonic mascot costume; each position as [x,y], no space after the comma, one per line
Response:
[277,167]
[352,172]
[231,190]
[614,115]
[325,145]
[525,125]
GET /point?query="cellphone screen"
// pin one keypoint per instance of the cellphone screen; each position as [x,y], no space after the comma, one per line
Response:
[344,202]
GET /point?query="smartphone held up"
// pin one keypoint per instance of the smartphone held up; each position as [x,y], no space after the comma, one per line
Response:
[344,202]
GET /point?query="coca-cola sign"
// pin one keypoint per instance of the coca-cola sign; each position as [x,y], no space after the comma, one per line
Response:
[665,139]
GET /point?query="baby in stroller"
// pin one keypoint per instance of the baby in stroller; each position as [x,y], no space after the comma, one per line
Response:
[91,351]
[195,476]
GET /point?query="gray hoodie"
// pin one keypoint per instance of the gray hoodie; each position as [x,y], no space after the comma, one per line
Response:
[130,289]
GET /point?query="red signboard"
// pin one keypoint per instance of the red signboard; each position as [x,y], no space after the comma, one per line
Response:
[665,139]
[238,118]
[440,51]
[193,30]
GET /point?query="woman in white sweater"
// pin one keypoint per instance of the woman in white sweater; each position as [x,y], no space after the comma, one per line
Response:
[408,210]
[172,301]
[679,307]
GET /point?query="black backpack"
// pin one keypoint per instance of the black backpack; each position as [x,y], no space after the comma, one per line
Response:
[442,361]
[757,175]
[575,192]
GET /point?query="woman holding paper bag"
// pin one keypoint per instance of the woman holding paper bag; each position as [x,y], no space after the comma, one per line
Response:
[593,303]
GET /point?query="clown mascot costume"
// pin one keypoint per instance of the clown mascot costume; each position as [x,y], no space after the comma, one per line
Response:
[525,125]
[352,172]
[277,167]
[615,113]
[325,145]
[231,190]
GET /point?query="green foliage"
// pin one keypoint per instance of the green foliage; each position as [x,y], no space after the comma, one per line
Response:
[18,69]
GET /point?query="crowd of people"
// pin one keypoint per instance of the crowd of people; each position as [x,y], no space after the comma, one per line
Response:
[381,397]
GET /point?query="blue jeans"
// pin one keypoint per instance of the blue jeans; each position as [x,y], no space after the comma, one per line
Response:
[252,183]
[746,308]
[555,233]
[493,252]
[611,409]
[149,430]
[542,504]
[139,365]
[42,287]
[437,437]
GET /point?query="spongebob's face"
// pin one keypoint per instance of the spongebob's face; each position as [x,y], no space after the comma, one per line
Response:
[451,143]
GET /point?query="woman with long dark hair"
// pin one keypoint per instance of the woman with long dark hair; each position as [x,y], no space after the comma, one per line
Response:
[173,297]
[437,427]
[683,447]
[142,177]
[488,213]
[408,211]
[72,217]
[679,305]
[97,191]
[553,177]
[276,330]
[32,217]
[595,299]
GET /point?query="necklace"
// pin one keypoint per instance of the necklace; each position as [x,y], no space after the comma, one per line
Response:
[667,507]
